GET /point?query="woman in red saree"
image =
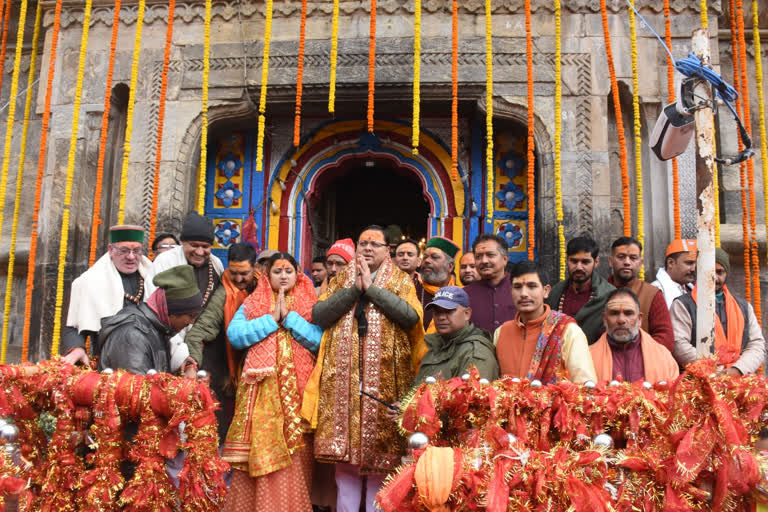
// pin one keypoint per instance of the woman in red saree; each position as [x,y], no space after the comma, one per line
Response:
[268,443]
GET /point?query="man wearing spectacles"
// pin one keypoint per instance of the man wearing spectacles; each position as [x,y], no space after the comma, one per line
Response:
[114,281]
[373,335]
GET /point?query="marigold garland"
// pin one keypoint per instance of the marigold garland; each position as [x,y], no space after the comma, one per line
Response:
[750,162]
[67,205]
[638,136]
[558,140]
[454,90]
[704,14]
[130,109]
[530,146]
[371,64]
[416,76]
[619,123]
[490,168]
[161,119]
[96,222]
[263,92]
[39,180]
[4,43]
[761,102]
[671,99]
[334,57]
[201,172]
[300,74]
[6,165]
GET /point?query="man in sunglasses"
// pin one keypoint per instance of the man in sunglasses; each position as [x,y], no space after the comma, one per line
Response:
[113,282]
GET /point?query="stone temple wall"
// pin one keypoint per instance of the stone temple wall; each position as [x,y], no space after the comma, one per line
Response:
[592,190]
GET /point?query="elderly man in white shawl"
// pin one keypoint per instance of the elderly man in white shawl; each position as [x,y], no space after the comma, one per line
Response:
[117,279]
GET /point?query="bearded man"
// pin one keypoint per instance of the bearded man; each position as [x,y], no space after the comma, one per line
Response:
[625,351]
[437,266]
[117,279]
[373,336]
[679,272]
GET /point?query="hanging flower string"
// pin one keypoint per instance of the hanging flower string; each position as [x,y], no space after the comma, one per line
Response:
[530,146]
[704,16]
[30,286]
[671,99]
[334,56]
[130,110]
[4,42]
[5,171]
[371,64]
[619,123]
[490,169]
[638,136]
[263,92]
[742,165]
[96,223]
[204,118]
[455,90]
[67,206]
[161,119]
[416,77]
[761,102]
[558,139]
[300,74]
[750,162]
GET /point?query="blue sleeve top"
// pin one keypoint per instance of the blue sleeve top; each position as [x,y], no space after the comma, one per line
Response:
[243,333]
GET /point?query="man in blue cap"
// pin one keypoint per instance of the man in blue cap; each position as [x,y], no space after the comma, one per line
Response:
[457,344]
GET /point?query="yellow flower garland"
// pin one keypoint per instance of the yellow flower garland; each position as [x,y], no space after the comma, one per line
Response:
[416,75]
[7,156]
[334,55]
[760,101]
[638,135]
[263,93]
[490,168]
[704,16]
[130,110]
[204,122]
[558,139]
[57,317]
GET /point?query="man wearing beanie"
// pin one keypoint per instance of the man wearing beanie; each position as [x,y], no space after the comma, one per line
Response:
[136,338]
[117,279]
[337,257]
[437,266]
[739,342]
[195,250]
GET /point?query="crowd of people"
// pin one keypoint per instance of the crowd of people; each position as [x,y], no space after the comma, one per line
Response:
[310,367]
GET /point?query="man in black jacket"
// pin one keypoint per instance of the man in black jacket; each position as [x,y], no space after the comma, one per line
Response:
[136,338]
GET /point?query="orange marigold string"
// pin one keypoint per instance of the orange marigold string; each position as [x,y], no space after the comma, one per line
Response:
[371,64]
[455,90]
[751,162]
[619,123]
[300,74]
[671,94]
[161,119]
[531,144]
[489,167]
[39,181]
[4,43]
[96,223]
[742,165]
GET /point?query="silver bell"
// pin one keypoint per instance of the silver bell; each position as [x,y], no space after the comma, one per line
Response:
[151,371]
[418,441]
[202,374]
[9,433]
[613,383]
[590,384]
[536,383]
[465,377]
[647,385]
[430,380]
[107,371]
[603,440]
[483,381]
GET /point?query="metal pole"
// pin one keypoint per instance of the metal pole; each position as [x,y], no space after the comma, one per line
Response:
[705,204]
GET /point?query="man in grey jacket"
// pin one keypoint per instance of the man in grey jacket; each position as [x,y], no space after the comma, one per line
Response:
[739,341]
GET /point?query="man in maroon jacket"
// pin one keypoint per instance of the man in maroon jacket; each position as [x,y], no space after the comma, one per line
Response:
[625,261]
[491,296]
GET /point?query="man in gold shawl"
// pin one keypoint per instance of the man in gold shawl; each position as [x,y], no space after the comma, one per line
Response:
[370,313]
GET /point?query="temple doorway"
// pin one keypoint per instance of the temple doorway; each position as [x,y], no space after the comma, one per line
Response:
[363,191]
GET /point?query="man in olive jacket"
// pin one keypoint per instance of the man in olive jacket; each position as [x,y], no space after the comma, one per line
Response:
[583,295]
[457,344]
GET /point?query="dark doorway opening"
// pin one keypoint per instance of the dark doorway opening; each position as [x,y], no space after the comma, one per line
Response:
[366,191]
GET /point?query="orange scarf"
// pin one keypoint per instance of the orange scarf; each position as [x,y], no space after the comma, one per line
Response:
[431,288]
[235,299]
[728,347]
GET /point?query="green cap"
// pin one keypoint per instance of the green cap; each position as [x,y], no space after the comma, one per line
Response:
[181,291]
[126,233]
[445,245]
[722,258]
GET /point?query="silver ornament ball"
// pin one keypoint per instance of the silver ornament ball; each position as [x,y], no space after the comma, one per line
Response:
[590,384]
[536,383]
[418,441]
[613,383]
[516,379]
[647,385]
[661,383]
[107,371]
[483,381]
[603,440]
[151,371]
[430,380]
[9,433]
[202,374]
[465,377]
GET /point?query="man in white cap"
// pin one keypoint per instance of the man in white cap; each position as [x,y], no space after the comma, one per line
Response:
[117,279]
